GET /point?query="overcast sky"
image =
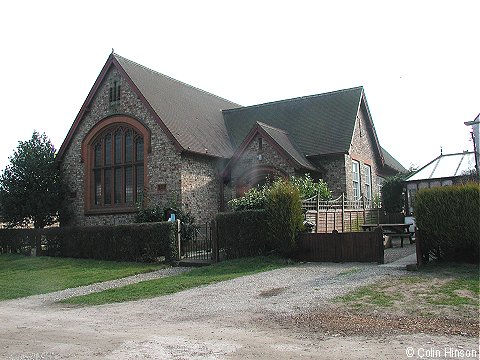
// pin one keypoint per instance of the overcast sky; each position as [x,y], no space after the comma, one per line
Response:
[419,61]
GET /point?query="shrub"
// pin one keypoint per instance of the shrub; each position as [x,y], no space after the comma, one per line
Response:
[253,199]
[150,214]
[309,188]
[393,199]
[242,233]
[284,217]
[256,198]
[448,221]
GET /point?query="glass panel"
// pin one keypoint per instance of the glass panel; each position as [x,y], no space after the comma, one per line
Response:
[139,182]
[128,146]
[356,180]
[97,180]
[98,155]
[108,149]
[139,149]
[118,147]
[118,185]
[108,186]
[129,185]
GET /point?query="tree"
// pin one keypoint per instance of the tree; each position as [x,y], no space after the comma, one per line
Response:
[30,186]
[393,198]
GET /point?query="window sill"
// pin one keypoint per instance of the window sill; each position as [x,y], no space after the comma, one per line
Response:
[111,211]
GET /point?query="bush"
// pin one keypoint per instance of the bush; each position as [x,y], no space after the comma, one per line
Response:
[133,242]
[309,188]
[256,198]
[284,217]
[242,233]
[253,199]
[393,198]
[448,221]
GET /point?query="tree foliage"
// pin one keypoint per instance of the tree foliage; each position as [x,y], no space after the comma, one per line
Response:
[393,198]
[284,216]
[30,186]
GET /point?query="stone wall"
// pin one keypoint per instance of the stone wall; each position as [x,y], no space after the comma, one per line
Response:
[334,174]
[163,162]
[362,150]
[200,183]
[252,159]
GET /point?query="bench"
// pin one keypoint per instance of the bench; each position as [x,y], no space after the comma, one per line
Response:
[401,236]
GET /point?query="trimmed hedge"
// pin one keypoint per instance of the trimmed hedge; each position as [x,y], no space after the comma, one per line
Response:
[285,217]
[132,242]
[448,219]
[242,233]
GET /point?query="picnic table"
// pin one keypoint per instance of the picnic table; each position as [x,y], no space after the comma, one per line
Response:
[398,230]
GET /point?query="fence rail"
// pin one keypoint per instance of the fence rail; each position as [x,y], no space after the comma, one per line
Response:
[345,215]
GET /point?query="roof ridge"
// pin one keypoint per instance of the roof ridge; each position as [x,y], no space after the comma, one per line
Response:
[294,99]
[262,124]
[173,79]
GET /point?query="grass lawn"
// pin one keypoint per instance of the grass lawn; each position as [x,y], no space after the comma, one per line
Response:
[225,270]
[24,275]
[436,284]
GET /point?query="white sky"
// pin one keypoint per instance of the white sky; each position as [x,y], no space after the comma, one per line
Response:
[419,61]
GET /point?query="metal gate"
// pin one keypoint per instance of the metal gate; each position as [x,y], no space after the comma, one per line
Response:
[196,242]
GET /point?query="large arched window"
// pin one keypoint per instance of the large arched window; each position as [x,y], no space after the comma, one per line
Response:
[115,166]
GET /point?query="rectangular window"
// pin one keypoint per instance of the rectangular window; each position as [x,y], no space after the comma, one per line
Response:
[368,182]
[97,178]
[108,186]
[356,179]
[128,146]
[108,149]
[118,147]
[118,185]
[114,92]
[128,185]
[139,182]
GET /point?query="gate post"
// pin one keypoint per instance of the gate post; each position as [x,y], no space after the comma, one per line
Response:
[214,240]
[178,237]
[318,212]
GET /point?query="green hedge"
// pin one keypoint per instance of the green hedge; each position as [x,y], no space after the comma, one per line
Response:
[242,233]
[132,242]
[448,220]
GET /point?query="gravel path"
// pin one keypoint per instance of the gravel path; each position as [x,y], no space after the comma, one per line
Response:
[209,322]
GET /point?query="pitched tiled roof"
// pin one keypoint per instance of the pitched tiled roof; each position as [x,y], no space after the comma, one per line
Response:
[193,116]
[391,162]
[282,139]
[318,124]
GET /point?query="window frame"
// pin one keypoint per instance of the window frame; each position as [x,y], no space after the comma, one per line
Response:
[111,125]
[368,182]
[356,180]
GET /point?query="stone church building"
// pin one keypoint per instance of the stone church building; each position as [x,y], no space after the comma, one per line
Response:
[142,138]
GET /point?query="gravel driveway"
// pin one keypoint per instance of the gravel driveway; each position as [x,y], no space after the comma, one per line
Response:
[210,322]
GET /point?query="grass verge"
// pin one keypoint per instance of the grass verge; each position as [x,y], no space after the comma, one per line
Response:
[196,277]
[442,284]
[24,275]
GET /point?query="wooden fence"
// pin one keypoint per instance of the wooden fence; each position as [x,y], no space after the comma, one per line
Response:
[345,215]
[365,246]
